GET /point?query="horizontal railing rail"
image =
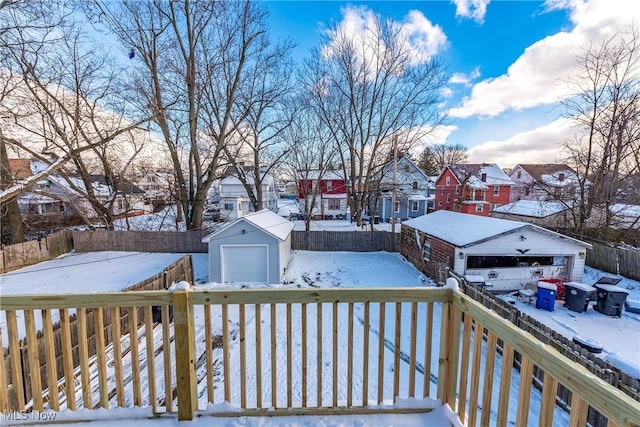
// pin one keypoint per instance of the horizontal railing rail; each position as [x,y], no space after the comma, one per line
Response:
[287,351]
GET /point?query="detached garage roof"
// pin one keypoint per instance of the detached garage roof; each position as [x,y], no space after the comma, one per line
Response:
[270,222]
[463,230]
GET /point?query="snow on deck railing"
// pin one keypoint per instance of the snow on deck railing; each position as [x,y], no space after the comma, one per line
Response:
[288,351]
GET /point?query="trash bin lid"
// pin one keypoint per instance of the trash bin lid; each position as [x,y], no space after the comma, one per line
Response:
[547,285]
[581,286]
[611,288]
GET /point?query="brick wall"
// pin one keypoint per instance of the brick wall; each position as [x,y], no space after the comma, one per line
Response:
[441,252]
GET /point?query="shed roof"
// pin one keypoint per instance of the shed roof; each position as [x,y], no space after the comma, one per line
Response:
[464,230]
[266,220]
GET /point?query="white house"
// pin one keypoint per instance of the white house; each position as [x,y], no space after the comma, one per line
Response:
[252,249]
[234,199]
[507,254]
[544,182]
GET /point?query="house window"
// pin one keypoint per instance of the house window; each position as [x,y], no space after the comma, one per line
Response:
[561,177]
[448,197]
[496,190]
[414,206]
[120,204]
[414,185]
[397,207]
[526,191]
[519,174]
[447,180]
[495,206]
[329,185]
[439,203]
[479,207]
[426,250]
[228,206]
[334,204]
[483,177]
[406,168]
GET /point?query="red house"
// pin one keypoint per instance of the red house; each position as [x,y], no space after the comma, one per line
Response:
[329,191]
[472,188]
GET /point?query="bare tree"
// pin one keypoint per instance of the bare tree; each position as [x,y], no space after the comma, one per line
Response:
[606,108]
[193,61]
[448,154]
[64,105]
[310,157]
[368,89]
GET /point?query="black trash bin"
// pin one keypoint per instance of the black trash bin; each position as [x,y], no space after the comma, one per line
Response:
[610,299]
[577,295]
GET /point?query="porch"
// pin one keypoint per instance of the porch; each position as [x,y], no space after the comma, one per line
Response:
[265,352]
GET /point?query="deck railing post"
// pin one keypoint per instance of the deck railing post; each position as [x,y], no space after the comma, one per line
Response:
[449,350]
[185,355]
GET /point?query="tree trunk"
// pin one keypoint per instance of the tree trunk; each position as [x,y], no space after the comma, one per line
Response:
[11,217]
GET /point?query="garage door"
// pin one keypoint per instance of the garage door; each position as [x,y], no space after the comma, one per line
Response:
[244,264]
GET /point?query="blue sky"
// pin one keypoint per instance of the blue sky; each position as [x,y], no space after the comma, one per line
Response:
[509,61]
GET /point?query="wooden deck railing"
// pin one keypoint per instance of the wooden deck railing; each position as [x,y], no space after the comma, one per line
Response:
[302,351]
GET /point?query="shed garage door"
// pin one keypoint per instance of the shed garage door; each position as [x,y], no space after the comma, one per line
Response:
[244,264]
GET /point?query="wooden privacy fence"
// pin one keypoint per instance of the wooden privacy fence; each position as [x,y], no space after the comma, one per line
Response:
[311,351]
[20,255]
[595,365]
[71,337]
[140,241]
[354,241]
[623,261]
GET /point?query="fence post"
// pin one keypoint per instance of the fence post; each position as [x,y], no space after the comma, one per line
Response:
[185,348]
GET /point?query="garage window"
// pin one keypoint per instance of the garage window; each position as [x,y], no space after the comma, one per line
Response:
[508,261]
[426,250]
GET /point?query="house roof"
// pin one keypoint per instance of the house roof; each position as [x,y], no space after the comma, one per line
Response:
[548,173]
[314,174]
[464,230]
[533,208]
[20,168]
[494,175]
[266,220]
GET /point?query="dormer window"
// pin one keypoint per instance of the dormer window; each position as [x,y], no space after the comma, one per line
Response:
[483,177]
[561,177]
[406,168]
[519,174]
[414,185]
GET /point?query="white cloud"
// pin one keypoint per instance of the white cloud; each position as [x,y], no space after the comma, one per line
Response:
[474,9]
[541,145]
[465,79]
[538,76]
[358,24]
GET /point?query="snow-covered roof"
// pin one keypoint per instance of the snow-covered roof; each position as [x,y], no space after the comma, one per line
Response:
[533,208]
[621,209]
[417,197]
[314,174]
[549,173]
[464,230]
[266,220]
[493,175]
[334,196]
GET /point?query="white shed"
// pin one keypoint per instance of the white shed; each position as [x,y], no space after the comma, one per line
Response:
[507,254]
[252,249]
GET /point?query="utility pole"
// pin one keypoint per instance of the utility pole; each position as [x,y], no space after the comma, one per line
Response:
[393,194]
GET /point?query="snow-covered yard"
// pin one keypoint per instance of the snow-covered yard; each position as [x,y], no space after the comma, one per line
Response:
[334,269]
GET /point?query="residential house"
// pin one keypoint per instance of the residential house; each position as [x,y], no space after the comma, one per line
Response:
[507,254]
[327,190]
[414,191]
[233,197]
[544,182]
[472,188]
[158,187]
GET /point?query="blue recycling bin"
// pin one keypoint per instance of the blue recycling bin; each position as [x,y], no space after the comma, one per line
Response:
[546,298]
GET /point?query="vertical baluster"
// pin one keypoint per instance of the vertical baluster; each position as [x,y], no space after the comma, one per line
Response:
[15,358]
[549,391]
[67,359]
[208,345]
[350,357]
[258,323]
[524,392]
[166,358]
[225,353]
[243,357]
[428,346]
[4,398]
[489,367]
[365,356]
[319,354]
[396,355]
[34,361]
[382,313]
[335,354]
[101,357]
[505,385]
[117,355]
[412,349]
[579,411]
[304,354]
[151,363]
[274,383]
[135,358]
[475,374]
[464,369]
[289,358]
[84,358]
[50,357]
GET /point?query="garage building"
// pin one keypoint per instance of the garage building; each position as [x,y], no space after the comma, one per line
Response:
[507,254]
[252,249]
